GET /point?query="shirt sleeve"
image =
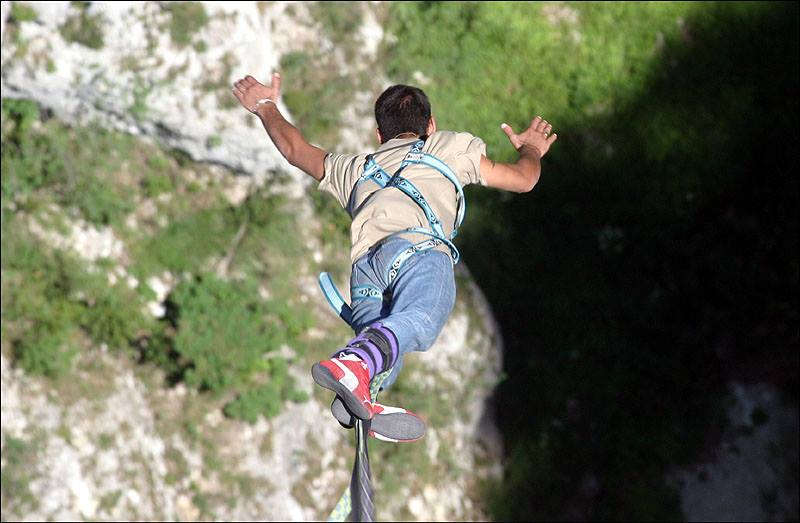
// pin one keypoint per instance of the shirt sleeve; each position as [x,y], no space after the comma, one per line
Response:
[341,173]
[467,158]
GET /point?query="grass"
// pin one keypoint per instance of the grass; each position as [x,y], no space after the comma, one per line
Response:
[18,454]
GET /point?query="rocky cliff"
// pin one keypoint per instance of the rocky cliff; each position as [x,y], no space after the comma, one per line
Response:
[113,436]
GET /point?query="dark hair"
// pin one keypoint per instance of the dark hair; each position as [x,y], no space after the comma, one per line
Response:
[402,109]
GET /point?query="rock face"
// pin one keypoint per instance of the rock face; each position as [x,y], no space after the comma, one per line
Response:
[747,477]
[140,82]
[105,444]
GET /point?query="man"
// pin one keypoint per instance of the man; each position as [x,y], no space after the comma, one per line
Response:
[406,203]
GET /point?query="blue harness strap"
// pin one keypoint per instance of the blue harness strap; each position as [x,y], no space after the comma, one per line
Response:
[365,291]
[334,298]
[373,172]
[416,157]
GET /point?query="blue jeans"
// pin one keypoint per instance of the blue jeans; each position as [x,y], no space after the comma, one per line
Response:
[417,303]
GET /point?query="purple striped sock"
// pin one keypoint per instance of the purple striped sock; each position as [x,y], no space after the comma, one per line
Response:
[390,340]
[376,345]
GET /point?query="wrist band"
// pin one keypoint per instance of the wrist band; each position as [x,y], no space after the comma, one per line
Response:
[261,102]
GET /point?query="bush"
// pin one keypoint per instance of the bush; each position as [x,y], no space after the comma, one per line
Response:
[17,475]
[83,28]
[51,304]
[186,243]
[29,159]
[156,184]
[21,12]
[223,332]
[44,154]
[186,19]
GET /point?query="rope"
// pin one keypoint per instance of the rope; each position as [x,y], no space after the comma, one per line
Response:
[356,502]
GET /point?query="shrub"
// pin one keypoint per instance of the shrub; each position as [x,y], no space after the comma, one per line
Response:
[44,154]
[29,159]
[83,28]
[222,334]
[50,302]
[21,12]
[186,19]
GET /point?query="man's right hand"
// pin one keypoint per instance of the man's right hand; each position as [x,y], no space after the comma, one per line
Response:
[248,91]
[539,135]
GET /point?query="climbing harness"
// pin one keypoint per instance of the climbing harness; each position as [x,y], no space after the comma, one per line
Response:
[356,502]
[374,173]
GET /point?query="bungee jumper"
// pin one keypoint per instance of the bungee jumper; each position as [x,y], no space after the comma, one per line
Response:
[406,202]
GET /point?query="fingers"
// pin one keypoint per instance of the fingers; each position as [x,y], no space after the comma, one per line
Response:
[539,125]
[243,84]
[507,129]
[276,82]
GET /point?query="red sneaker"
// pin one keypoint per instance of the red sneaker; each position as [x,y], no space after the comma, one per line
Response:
[393,424]
[348,377]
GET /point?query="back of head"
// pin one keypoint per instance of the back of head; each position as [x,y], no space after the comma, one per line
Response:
[402,109]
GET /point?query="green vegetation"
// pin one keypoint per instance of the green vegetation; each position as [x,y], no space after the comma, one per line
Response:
[219,334]
[109,501]
[40,155]
[656,256]
[221,81]
[16,475]
[83,28]
[222,332]
[213,141]
[187,18]
[316,91]
[157,180]
[318,84]
[140,93]
[340,22]
[50,302]
[21,12]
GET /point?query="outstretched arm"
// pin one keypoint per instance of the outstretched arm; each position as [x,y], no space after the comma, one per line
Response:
[532,144]
[262,100]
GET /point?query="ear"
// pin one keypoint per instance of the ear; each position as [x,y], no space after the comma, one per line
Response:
[378,134]
[431,126]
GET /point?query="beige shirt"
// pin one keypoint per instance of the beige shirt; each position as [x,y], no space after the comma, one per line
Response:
[390,210]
